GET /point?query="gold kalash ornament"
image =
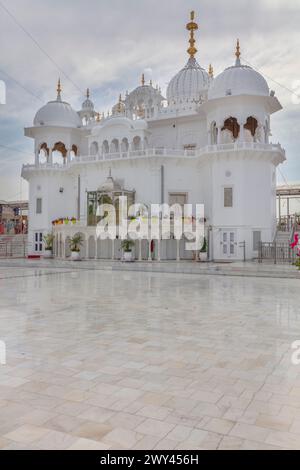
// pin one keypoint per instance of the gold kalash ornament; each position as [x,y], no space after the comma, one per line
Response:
[192,27]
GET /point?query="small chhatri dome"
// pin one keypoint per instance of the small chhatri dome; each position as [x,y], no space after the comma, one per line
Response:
[119,108]
[192,82]
[238,80]
[88,104]
[57,113]
[110,185]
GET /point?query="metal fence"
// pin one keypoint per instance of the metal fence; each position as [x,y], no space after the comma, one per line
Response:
[13,249]
[277,253]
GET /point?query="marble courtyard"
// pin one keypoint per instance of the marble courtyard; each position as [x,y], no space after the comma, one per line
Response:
[133,360]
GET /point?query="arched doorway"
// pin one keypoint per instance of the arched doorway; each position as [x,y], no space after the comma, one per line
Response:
[230,130]
[59,153]
[44,154]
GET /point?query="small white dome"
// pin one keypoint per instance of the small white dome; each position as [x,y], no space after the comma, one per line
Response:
[119,108]
[238,80]
[88,105]
[57,113]
[189,84]
[110,185]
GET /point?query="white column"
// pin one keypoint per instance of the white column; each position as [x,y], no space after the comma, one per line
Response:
[219,136]
[158,250]
[178,250]
[140,249]
[242,134]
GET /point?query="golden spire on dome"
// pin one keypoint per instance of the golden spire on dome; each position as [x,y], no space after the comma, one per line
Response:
[143,79]
[88,93]
[211,71]
[238,53]
[59,90]
[192,26]
[120,104]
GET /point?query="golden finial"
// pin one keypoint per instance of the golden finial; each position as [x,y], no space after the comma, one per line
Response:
[238,52]
[192,27]
[88,93]
[59,89]
[120,104]
[211,71]
[143,79]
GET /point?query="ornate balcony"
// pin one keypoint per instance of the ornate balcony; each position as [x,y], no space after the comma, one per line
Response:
[160,153]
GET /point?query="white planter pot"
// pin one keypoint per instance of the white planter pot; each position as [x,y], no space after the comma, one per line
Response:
[75,256]
[203,257]
[48,254]
[127,256]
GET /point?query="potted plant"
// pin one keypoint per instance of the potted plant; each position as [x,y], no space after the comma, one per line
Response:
[127,246]
[75,243]
[48,240]
[203,251]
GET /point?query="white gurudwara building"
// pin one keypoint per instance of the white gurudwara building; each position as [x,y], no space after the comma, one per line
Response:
[207,142]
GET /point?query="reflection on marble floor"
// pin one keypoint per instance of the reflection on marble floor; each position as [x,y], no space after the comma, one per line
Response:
[115,360]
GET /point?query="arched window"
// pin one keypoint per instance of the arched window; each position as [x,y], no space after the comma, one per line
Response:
[59,153]
[114,146]
[94,148]
[73,152]
[137,143]
[232,126]
[44,153]
[105,147]
[251,125]
[75,149]
[124,145]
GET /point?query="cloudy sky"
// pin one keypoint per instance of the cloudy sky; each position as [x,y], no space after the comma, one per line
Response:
[107,44]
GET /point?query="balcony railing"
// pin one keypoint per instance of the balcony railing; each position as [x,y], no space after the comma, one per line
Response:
[161,152]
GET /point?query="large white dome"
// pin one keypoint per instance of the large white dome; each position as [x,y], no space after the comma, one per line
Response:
[57,113]
[189,84]
[238,80]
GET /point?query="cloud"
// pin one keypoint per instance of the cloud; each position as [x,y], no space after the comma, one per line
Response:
[107,44]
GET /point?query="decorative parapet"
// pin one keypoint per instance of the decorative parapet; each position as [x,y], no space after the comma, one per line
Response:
[160,153]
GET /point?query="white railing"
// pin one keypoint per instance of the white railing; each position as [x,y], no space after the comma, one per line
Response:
[161,152]
[244,146]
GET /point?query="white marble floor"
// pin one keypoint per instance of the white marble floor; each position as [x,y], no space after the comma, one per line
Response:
[116,360]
